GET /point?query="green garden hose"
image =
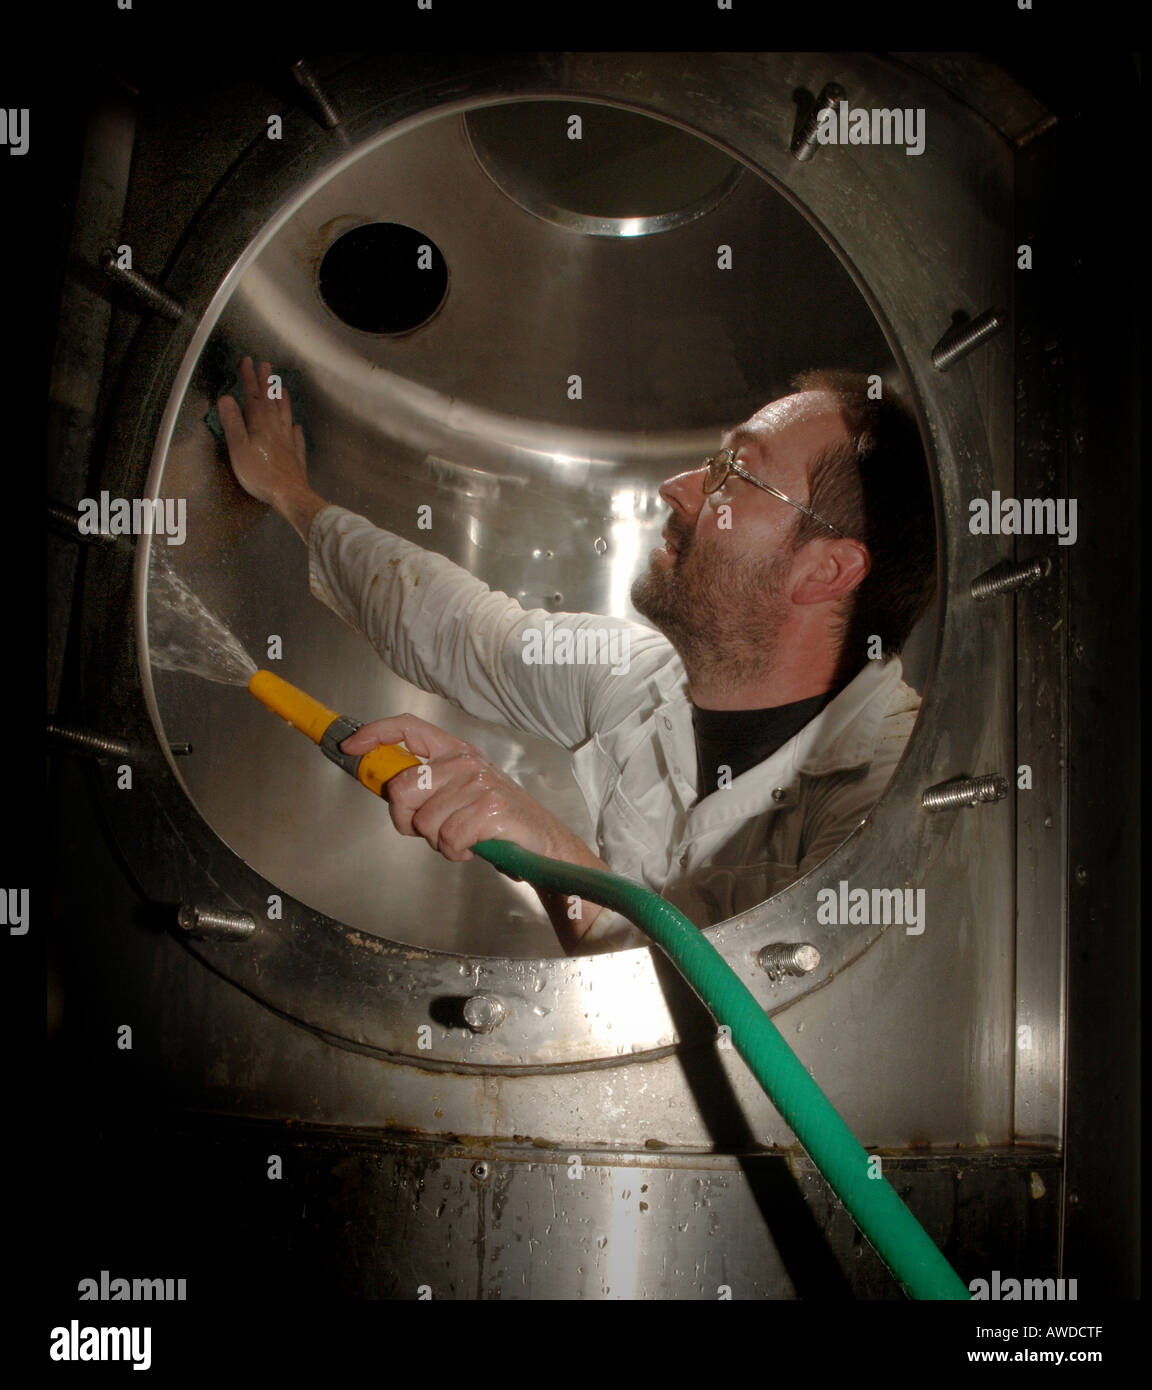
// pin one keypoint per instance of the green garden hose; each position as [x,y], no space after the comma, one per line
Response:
[899,1239]
[897,1236]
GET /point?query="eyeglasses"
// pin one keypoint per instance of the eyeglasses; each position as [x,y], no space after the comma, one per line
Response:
[716,475]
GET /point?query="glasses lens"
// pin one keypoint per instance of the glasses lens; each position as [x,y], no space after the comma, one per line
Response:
[717,470]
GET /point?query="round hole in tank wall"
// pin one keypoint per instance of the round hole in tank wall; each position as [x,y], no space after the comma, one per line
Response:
[383,277]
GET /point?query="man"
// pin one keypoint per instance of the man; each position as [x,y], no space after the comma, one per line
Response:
[739,748]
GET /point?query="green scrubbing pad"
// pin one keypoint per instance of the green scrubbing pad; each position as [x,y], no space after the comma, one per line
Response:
[231,385]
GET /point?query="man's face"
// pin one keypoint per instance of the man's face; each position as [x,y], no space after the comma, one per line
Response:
[723,581]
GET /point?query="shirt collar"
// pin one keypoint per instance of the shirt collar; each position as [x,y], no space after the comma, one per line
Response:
[842,736]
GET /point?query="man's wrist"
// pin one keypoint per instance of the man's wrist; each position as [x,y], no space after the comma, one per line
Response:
[571,915]
[299,506]
[554,840]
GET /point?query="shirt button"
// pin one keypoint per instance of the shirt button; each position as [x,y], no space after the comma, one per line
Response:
[667,722]
[778,793]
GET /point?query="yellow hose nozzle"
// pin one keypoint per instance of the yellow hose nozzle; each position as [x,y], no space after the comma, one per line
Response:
[300,710]
[328,729]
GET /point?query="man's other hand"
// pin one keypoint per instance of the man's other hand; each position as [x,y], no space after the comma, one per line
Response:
[265,448]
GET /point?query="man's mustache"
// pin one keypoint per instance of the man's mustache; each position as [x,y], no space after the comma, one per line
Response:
[678,535]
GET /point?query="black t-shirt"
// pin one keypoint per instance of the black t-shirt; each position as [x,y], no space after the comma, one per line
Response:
[741,738]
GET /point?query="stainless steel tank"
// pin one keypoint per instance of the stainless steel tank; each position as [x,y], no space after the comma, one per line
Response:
[348,1010]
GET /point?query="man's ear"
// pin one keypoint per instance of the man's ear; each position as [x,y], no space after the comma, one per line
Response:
[830,570]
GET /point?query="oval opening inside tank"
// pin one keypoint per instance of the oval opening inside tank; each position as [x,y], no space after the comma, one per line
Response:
[621,173]
[522,431]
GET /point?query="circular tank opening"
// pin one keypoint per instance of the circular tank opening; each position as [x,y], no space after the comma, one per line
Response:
[468,439]
[383,278]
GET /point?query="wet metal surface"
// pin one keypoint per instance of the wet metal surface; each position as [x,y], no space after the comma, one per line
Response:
[374,1220]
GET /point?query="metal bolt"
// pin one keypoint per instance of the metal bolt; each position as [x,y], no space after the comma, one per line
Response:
[324,108]
[82,741]
[215,924]
[484,1012]
[804,143]
[68,520]
[961,339]
[1000,579]
[480,1171]
[965,791]
[146,291]
[788,958]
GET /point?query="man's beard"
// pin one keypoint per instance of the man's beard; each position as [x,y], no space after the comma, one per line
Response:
[723,616]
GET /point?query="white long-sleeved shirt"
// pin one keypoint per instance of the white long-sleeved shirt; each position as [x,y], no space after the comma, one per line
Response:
[629,731]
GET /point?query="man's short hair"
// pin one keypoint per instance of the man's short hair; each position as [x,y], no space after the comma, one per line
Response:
[875,488]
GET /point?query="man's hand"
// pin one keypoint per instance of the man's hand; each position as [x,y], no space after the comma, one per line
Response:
[267,450]
[458,797]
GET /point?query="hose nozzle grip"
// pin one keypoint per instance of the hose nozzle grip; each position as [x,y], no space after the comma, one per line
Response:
[334,735]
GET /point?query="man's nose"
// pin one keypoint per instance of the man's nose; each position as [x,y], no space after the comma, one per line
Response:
[685,493]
